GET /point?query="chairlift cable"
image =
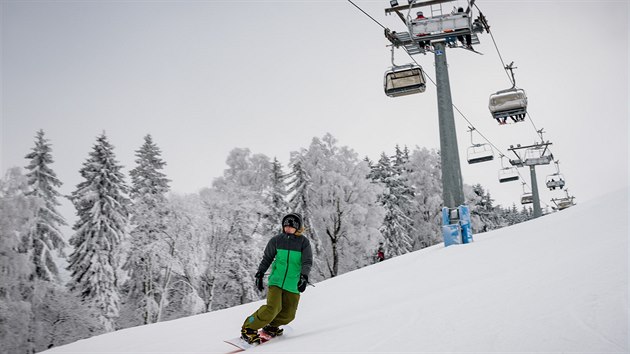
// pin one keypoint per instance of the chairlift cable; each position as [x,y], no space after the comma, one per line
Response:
[510,78]
[497,48]
[366,14]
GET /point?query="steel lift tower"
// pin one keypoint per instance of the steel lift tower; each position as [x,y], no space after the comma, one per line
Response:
[434,31]
[532,156]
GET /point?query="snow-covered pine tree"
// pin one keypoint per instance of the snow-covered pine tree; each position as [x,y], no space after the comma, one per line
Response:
[44,238]
[277,195]
[299,191]
[527,213]
[299,186]
[146,260]
[396,199]
[512,215]
[17,214]
[103,210]
[404,193]
[485,216]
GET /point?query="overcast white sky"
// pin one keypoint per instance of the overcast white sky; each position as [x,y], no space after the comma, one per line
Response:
[204,77]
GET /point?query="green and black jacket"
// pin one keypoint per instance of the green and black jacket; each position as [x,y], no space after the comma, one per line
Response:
[291,256]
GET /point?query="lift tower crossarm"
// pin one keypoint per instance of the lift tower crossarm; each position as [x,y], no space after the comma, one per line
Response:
[519,147]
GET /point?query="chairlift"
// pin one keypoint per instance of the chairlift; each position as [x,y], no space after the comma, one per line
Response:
[555,180]
[527,197]
[448,27]
[479,152]
[507,174]
[404,80]
[565,202]
[510,103]
[537,155]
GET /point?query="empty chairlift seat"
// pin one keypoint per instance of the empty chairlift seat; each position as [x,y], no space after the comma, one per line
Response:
[404,80]
[480,153]
[508,174]
[563,203]
[537,155]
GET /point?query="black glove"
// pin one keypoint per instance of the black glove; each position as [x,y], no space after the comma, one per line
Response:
[302,282]
[259,281]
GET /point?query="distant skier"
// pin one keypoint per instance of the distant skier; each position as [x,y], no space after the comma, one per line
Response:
[380,254]
[292,259]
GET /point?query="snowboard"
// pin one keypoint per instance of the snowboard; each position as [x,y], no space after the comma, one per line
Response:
[242,345]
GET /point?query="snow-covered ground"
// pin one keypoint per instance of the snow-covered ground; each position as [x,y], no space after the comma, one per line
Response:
[554,284]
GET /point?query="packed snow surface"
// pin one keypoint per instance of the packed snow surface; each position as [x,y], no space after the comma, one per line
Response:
[554,284]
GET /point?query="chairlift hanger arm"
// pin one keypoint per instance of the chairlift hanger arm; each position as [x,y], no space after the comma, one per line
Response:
[545,149]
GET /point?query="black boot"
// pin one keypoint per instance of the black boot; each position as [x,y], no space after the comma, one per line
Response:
[273,331]
[250,336]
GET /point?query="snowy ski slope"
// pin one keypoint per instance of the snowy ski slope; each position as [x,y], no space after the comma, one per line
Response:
[555,284]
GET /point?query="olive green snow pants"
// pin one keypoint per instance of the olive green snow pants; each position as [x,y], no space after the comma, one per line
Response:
[279,310]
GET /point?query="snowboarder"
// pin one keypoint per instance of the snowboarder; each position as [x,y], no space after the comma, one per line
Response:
[292,259]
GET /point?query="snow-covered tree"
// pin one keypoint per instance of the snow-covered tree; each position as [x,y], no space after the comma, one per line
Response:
[17,216]
[44,238]
[58,317]
[484,215]
[343,204]
[299,187]
[146,262]
[186,259]
[103,210]
[424,176]
[238,204]
[277,198]
[397,199]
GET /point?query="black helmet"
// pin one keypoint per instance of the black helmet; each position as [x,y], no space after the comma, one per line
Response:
[294,220]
